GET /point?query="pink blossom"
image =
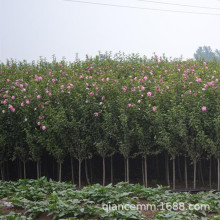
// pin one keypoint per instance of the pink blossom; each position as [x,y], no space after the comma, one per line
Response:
[142,88]
[107,79]
[5,102]
[91,93]
[27,102]
[96,114]
[165,71]
[13,97]
[43,127]
[198,79]
[124,88]
[145,78]
[154,109]
[167,87]
[62,86]
[38,123]
[103,79]
[129,105]
[139,101]
[204,63]
[103,98]
[26,84]
[149,93]
[211,83]
[135,78]
[204,108]
[22,104]
[8,80]
[54,80]
[13,109]
[38,97]
[10,106]
[21,86]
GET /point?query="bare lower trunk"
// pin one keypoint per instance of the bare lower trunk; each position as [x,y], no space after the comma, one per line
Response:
[142,164]
[174,173]
[219,174]
[72,171]
[186,175]
[125,170]
[201,173]
[210,172]
[194,179]
[2,173]
[24,167]
[38,170]
[127,160]
[60,172]
[145,172]
[91,170]
[19,169]
[86,171]
[112,171]
[80,166]
[179,170]
[103,171]
[157,167]
[167,169]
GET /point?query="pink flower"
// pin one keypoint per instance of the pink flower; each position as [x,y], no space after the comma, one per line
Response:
[139,101]
[5,101]
[103,98]
[107,79]
[167,87]
[44,127]
[96,114]
[154,109]
[91,93]
[204,63]
[54,80]
[8,80]
[10,106]
[38,123]
[124,88]
[149,93]
[145,78]
[13,109]
[38,97]
[13,97]
[62,86]
[198,79]
[22,104]
[211,83]
[27,102]
[204,108]
[103,79]
[129,105]
[165,71]
[21,86]
[142,88]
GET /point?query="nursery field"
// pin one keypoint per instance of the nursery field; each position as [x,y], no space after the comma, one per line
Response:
[111,118]
[43,199]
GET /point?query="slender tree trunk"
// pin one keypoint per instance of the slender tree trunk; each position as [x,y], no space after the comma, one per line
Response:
[167,169]
[7,176]
[86,171]
[127,160]
[24,166]
[210,172]
[2,173]
[145,171]
[112,171]
[103,171]
[38,170]
[91,170]
[60,172]
[201,173]
[125,170]
[157,167]
[72,171]
[19,169]
[80,179]
[219,174]
[186,175]
[194,179]
[174,173]
[179,170]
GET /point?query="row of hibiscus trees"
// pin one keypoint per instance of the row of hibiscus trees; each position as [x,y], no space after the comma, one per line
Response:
[126,104]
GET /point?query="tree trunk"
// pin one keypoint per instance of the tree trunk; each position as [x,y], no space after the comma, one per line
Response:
[194,179]
[19,169]
[125,170]
[38,169]
[103,171]
[60,172]
[157,167]
[219,174]
[201,173]
[210,172]
[186,175]
[72,171]
[80,164]
[167,169]
[2,173]
[91,170]
[127,160]
[174,173]
[86,171]
[24,166]
[179,170]
[145,171]
[112,171]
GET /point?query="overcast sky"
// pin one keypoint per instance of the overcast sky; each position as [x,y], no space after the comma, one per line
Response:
[33,28]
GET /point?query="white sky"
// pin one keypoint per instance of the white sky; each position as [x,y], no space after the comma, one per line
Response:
[33,28]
